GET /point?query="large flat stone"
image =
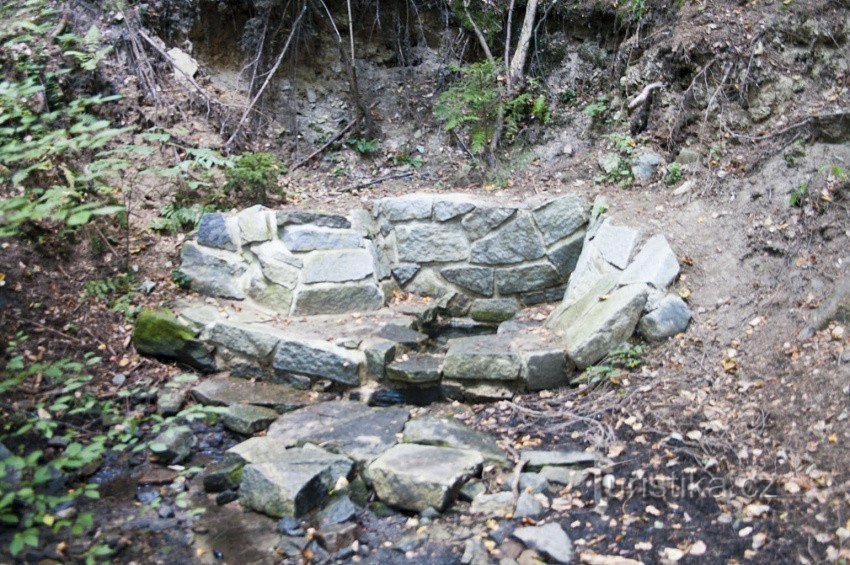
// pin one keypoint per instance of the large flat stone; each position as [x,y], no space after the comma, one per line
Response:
[214,272]
[296,217]
[615,243]
[544,362]
[416,477]
[318,358]
[338,265]
[655,264]
[256,223]
[430,243]
[548,539]
[215,230]
[447,433]
[561,217]
[331,298]
[605,326]
[311,238]
[418,369]
[476,279]
[568,313]
[278,264]
[493,310]
[229,391]
[248,419]
[482,358]
[450,208]
[564,255]
[589,269]
[514,243]
[402,335]
[273,296]
[298,481]
[255,341]
[485,219]
[526,278]
[406,208]
[351,428]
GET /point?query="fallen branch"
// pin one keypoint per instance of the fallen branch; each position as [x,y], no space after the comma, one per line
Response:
[797,125]
[644,94]
[378,180]
[173,63]
[269,77]
[330,142]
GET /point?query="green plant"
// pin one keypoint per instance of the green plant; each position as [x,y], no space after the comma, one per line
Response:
[674,173]
[794,153]
[175,219]
[255,175]
[628,357]
[597,110]
[28,502]
[118,292]
[631,11]
[799,195]
[476,105]
[618,165]
[55,152]
[364,147]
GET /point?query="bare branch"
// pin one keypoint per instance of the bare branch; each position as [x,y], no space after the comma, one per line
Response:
[268,77]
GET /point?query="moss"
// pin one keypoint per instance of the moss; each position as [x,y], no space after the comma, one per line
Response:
[159,333]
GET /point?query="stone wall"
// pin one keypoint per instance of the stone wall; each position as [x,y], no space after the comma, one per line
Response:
[291,262]
[440,245]
[301,263]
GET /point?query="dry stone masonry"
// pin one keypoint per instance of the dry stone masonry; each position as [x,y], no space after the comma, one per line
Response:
[305,297]
[302,314]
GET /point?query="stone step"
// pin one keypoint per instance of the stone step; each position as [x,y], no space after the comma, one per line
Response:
[229,391]
[415,370]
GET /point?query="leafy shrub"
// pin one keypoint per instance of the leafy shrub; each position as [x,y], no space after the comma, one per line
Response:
[254,175]
[175,219]
[674,173]
[364,147]
[59,160]
[475,104]
[597,110]
[629,357]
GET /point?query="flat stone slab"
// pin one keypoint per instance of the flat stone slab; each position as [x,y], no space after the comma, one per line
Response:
[254,340]
[319,359]
[416,477]
[311,238]
[493,310]
[447,433]
[548,539]
[418,369]
[498,505]
[482,358]
[655,264]
[516,242]
[227,391]
[561,217]
[403,336]
[338,265]
[351,428]
[331,298]
[247,419]
[427,243]
[537,459]
[295,483]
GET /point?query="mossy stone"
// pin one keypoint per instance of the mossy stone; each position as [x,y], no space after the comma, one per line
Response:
[159,333]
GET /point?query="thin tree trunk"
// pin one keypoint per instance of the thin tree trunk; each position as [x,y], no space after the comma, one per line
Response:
[481,39]
[521,53]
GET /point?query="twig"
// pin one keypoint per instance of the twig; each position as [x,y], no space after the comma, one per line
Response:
[173,63]
[269,76]
[520,465]
[797,125]
[378,180]
[644,94]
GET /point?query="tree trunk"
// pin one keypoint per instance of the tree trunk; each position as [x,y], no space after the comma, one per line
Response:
[521,53]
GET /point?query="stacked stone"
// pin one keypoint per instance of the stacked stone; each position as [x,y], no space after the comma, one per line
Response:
[294,263]
[614,291]
[444,245]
